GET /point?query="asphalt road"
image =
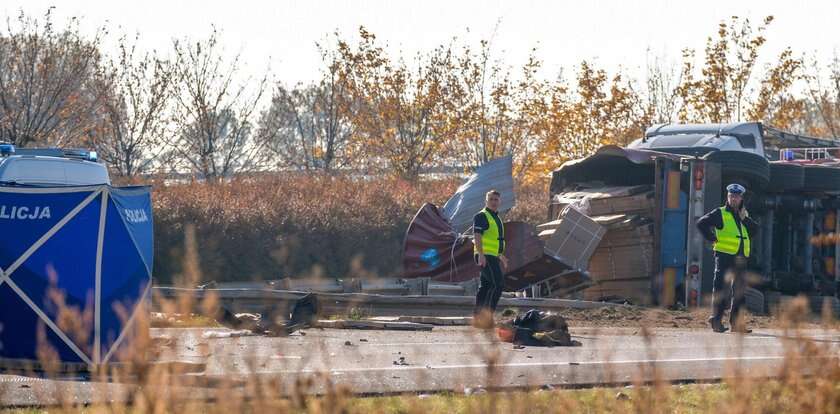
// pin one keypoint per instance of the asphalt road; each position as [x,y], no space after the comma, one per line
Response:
[447,358]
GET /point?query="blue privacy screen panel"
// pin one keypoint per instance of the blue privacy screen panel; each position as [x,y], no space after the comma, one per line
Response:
[75,264]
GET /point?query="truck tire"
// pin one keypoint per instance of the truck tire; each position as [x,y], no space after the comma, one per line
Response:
[820,304]
[821,178]
[742,167]
[786,176]
[755,301]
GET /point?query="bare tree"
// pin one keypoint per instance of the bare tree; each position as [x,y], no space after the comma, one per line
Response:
[212,110]
[48,82]
[135,113]
[308,128]
[661,98]
[825,99]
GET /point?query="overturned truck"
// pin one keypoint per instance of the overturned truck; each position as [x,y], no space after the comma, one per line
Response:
[659,185]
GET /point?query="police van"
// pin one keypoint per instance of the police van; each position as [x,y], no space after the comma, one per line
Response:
[50,167]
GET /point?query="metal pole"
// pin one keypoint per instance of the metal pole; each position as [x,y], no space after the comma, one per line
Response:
[809,247]
[789,242]
[837,247]
[767,239]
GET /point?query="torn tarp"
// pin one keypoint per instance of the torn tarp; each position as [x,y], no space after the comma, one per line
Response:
[469,198]
[432,249]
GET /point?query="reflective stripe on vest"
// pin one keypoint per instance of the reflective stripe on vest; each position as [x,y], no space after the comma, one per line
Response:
[729,237]
[491,238]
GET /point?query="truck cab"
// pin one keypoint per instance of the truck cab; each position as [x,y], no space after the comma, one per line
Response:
[701,139]
[50,167]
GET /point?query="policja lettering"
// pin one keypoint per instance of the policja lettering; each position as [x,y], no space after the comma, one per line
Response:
[24,212]
[136,216]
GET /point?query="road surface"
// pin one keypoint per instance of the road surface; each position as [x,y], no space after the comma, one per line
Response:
[447,358]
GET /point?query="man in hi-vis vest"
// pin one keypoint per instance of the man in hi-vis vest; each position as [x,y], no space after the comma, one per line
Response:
[729,228]
[489,244]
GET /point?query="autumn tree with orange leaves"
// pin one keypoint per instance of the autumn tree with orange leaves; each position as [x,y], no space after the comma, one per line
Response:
[725,92]
[597,110]
[398,107]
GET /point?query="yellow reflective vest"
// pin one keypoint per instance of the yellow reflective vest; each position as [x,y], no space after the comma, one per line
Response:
[491,239]
[730,236]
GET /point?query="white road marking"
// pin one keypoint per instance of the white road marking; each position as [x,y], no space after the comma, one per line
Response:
[431,343]
[540,364]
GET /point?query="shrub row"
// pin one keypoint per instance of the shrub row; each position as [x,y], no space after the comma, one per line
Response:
[271,227]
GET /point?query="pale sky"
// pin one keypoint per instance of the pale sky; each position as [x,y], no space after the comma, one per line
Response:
[611,33]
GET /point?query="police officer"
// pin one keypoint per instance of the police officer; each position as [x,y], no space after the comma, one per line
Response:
[729,228]
[489,245]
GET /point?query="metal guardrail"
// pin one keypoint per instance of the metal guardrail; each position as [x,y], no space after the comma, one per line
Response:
[386,286]
[277,301]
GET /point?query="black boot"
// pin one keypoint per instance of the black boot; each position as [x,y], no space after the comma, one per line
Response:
[717,325]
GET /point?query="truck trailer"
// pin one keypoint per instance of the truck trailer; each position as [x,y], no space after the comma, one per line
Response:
[793,191]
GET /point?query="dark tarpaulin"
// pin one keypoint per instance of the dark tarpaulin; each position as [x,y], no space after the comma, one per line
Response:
[611,165]
[431,250]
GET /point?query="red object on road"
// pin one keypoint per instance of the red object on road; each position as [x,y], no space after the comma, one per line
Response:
[505,334]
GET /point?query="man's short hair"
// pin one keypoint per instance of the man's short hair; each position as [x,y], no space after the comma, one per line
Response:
[492,192]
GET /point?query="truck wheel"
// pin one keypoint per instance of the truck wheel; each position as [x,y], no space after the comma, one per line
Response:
[755,301]
[821,178]
[740,166]
[786,176]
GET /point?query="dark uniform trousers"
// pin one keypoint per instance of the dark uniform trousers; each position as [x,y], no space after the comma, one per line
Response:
[730,292]
[491,284]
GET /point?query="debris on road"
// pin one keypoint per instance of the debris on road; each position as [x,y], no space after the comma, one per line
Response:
[427,320]
[474,391]
[437,244]
[226,334]
[572,238]
[273,322]
[368,324]
[434,250]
